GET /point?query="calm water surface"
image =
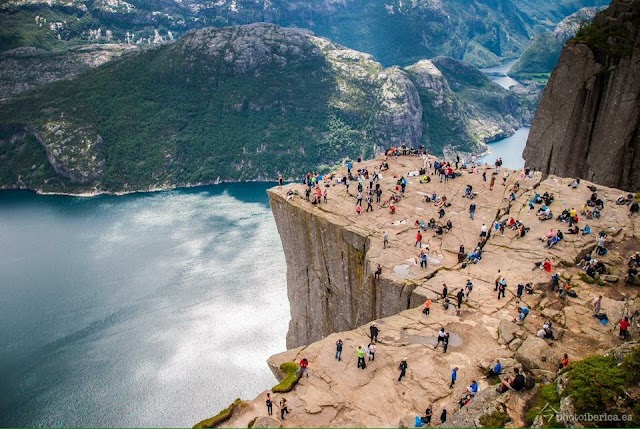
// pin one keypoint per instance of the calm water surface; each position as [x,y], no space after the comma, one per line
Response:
[509,149]
[498,74]
[144,310]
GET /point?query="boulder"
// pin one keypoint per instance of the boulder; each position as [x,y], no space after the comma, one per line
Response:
[515,344]
[610,278]
[266,422]
[535,353]
[507,331]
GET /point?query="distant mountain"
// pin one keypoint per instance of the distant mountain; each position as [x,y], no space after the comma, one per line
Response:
[542,54]
[239,103]
[396,32]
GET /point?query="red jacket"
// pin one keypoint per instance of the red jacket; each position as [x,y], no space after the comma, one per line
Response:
[624,325]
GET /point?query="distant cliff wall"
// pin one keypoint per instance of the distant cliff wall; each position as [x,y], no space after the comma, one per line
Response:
[329,281]
[588,121]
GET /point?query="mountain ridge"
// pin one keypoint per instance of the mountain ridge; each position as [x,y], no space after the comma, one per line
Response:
[239,103]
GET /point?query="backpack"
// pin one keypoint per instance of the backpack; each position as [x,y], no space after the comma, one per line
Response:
[418,422]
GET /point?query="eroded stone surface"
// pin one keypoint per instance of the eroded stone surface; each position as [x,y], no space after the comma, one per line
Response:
[318,241]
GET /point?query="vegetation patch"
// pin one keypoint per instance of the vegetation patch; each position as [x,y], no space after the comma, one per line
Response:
[497,419]
[221,416]
[292,375]
[546,398]
[614,42]
[595,383]
[590,280]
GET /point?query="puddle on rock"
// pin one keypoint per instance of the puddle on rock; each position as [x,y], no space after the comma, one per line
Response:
[402,271]
[454,339]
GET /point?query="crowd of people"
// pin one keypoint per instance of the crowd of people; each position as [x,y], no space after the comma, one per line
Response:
[369,191]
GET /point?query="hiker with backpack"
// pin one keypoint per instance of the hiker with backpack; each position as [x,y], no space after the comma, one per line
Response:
[403,368]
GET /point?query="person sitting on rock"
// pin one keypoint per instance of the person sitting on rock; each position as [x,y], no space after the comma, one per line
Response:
[528,288]
[428,414]
[523,312]
[516,382]
[473,388]
[392,209]
[574,230]
[304,363]
[496,370]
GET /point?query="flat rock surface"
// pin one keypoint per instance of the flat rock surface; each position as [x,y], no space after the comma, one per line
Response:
[338,394]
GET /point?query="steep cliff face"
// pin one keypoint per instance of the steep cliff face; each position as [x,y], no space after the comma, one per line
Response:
[330,282]
[588,121]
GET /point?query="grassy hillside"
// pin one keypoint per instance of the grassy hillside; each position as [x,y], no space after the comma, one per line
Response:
[540,57]
[237,104]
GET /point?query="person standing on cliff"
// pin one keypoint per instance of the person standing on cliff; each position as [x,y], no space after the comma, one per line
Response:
[441,335]
[427,307]
[349,168]
[597,305]
[359,199]
[502,288]
[454,377]
[283,408]
[484,176]
[279,180]
[403,368]
[378,272]
[369,201]
[269,402]
[372,352]
[492,183]
[418,239]
[360,352]
[460,297]
[385,239]
[424,258]
[445,291]
[374,331]
[472,210]
[339,350]
[445,342]
[468,288]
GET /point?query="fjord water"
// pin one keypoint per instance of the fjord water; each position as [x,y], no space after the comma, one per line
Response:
[509,149]
[153,309]
[498,74]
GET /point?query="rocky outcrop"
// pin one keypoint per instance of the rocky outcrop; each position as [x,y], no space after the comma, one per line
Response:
[588,121]
[23,69]
[331,253]
[331,283]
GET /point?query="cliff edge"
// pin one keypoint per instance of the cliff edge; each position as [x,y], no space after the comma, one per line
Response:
[588,121]
[331,256]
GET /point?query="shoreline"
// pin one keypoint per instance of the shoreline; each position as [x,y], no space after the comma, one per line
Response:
[137,191]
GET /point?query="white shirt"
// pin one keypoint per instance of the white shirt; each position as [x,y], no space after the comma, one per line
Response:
[484,228]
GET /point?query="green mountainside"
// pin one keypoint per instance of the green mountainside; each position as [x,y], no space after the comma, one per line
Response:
[543,52]
[238,103]
[482,32]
